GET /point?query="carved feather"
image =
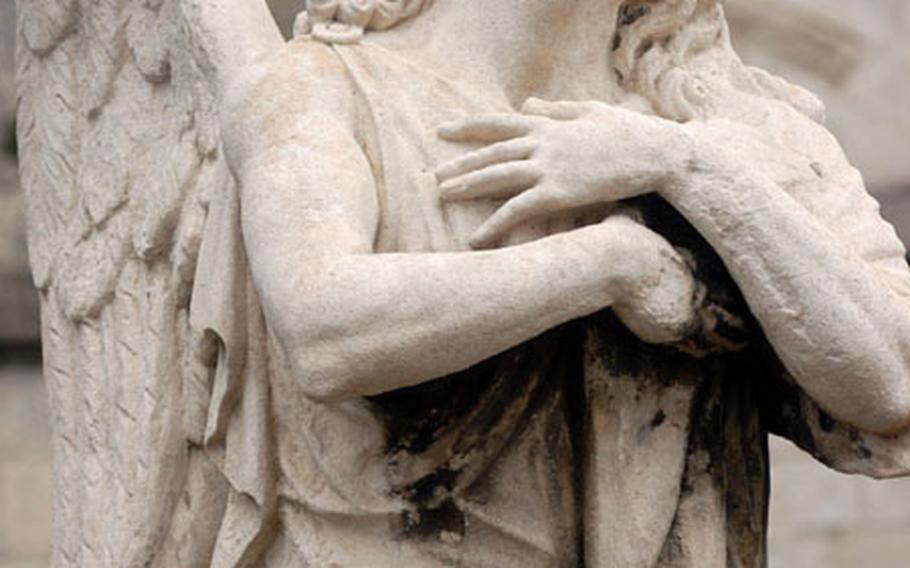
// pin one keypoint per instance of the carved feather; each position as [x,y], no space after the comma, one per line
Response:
[148,41]
[44,23]
[119,148]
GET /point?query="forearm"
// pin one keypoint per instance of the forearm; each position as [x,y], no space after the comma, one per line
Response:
[839,331]
[359,325]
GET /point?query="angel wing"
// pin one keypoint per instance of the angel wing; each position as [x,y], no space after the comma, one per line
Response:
[120,153]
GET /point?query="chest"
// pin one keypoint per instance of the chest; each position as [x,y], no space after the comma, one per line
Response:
[402,108]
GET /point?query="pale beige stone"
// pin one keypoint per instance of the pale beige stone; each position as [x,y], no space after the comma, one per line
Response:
[335,302]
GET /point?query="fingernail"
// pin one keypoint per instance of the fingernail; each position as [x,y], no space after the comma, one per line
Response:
[445,129]
[443,173]
[479,241]
[449,190]
[449,127]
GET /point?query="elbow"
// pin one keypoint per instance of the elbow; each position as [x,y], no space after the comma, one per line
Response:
[890,424]
[316,353]
[894,417]
[890,415]
[323,383]
[325,377]
[868,390]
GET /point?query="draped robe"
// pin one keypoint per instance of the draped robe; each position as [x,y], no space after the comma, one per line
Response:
[582,447]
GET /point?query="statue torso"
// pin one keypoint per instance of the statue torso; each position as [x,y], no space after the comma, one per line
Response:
[579,440]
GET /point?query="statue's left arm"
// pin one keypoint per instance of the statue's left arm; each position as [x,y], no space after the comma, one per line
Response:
[822,272]
[824,275]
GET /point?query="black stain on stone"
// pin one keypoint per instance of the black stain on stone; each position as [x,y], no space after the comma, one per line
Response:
[432,522]
[428,520]
[727,322]
[861,448]
[658,419]
[825,422]
[427,488]
[416,416]
[779,400]
[461,422]
[630,13]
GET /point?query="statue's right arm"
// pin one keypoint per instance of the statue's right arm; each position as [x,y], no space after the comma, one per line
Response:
[356,323]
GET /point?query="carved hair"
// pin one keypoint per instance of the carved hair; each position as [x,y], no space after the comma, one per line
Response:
[655,47]
[344,21]
[655,41]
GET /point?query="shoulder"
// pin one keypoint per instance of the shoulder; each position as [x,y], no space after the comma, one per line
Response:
[301,69]
[302,86]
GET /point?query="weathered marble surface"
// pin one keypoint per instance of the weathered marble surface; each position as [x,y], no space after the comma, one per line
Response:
[120,273]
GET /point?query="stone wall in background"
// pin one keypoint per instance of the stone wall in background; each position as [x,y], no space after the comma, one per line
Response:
[25,475]
[18,301]
[25,472]
[285,11]
[823,519]
[856,55]
[7,47]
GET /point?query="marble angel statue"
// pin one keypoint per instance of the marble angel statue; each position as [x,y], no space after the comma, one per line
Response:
[479,283]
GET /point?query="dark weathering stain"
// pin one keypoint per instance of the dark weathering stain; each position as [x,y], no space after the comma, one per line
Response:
[477,412]
[416,416]
[630,13]
[732,324]
[825,422]
[427,521]
[861,448]
[445,518]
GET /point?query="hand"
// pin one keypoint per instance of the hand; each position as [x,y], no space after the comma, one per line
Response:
[558,156]
[654,288]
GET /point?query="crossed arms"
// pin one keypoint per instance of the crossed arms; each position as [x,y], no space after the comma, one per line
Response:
[823,274]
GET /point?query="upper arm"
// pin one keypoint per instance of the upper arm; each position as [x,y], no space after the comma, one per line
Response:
[306,186]
[307,193]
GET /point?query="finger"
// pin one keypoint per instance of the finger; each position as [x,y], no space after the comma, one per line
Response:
[527,206]
[500,180]
[557,110]
[519,149]
[489,128]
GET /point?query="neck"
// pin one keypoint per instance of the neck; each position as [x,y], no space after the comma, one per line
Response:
[540,48]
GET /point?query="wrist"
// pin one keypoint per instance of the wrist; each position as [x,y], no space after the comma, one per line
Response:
[701,154]
[677,167]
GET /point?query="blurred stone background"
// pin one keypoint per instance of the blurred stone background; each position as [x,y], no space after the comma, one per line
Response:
[855,55]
